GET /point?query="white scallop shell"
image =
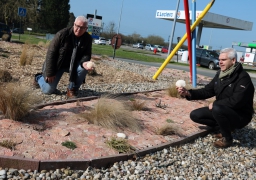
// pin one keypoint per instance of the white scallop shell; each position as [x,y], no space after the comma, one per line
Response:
[121,135]
[180,83]
[90,64]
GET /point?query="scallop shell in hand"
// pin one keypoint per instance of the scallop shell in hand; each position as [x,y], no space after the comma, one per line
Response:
[90,64]
[180,83]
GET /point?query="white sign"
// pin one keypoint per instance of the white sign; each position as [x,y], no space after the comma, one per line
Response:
[29,29]
[249,57]
[170,14]
[94,22]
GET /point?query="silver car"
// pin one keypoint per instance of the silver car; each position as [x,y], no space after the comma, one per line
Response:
[150,47]
[138,45]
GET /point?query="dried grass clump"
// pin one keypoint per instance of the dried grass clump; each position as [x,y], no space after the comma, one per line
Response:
[137,105]
[172,91]
[92,72]
[26,56]
[96,58]
[16,101]
[8,144]
[41,44]
[112,114]
[47,44]
[6,37]
[121,145]
[5,76]
[169,129]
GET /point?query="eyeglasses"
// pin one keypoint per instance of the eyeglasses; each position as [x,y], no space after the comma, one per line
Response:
[80,27]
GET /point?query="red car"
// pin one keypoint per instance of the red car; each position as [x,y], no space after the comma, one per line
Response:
[164,50]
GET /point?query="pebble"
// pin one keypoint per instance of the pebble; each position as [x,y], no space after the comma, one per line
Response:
[196,160]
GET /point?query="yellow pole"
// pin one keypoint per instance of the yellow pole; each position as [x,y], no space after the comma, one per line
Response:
[182,40]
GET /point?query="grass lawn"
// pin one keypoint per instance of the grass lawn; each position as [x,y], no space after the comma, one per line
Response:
[133,54]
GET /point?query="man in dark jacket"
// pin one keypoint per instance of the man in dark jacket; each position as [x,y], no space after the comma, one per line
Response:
[234,92]
[69,51]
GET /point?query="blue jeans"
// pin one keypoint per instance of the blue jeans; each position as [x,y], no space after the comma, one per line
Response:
[49,88]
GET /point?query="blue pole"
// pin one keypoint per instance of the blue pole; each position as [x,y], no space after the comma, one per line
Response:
[194,73]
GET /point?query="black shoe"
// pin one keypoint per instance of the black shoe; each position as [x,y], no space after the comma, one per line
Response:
[35,83]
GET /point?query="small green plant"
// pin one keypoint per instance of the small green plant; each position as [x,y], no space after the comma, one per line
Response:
[120,145]
[169,120]
[8,144]
[69,144]
[4,55]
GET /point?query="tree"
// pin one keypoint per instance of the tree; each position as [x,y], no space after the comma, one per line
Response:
[55,14]
[152,39]
[71,19]
[110,28]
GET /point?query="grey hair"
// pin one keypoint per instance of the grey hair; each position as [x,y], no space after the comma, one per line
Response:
[231,53]
[83,19]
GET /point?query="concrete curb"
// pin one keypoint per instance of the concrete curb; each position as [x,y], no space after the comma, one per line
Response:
[78,164]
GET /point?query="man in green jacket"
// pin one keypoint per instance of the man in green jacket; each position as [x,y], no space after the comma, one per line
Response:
[69,51]
[234,92]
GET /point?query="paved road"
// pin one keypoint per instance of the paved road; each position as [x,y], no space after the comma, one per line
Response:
[201,71]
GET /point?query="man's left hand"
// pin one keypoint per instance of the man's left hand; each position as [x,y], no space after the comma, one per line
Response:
[210,106]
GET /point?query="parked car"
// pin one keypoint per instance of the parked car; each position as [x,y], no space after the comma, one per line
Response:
[159,48]
[207,58]
[138,45]
[164,49]
[4,29]
[180,51]
[100,41]
[18,30]
[109,41]
[150,47]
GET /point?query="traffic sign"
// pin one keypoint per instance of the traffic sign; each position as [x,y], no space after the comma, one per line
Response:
[116,41]
[22,11]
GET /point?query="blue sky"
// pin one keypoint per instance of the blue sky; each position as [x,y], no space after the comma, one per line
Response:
[138,16]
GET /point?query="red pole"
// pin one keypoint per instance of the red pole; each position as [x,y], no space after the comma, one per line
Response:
[188,36]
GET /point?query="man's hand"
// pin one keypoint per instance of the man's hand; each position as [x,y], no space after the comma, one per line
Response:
[210,106]
[86,67]
[50,79]
[183,91]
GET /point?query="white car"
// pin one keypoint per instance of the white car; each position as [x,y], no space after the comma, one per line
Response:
[138,45]
[180,51]
[101,41]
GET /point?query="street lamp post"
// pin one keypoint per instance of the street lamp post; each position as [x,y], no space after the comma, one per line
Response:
[114,52]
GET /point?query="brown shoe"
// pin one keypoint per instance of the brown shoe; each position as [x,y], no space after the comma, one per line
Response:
[72,93]
[223,143]
[218,136]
